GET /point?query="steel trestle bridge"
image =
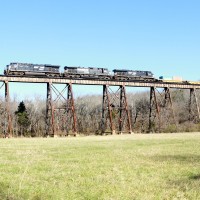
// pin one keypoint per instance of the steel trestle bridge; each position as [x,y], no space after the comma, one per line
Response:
[111,101]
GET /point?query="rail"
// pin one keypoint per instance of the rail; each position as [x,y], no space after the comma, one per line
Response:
[157,84]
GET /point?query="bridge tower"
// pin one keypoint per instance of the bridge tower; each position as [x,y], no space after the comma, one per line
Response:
[115,111]
[161,109]
[60,111]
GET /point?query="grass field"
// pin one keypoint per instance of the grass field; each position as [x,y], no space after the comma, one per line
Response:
[154,166]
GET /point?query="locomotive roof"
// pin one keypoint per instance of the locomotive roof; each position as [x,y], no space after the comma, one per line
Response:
[128,70]
[46,65]
[54,66]
[72,67]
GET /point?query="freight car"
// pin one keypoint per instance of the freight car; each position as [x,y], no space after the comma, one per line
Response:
[123,74]
[22,69]
[177,79]
[86,72]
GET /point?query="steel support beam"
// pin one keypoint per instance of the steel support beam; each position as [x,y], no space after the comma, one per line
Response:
[106,111]
[71,114]
[154,111]
[124,111]
[8,120]
[50,127]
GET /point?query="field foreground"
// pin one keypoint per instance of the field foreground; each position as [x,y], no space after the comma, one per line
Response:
[153,166]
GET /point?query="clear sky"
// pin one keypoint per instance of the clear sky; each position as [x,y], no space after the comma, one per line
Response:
[162,36]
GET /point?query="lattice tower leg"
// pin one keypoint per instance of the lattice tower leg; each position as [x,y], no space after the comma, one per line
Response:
[106,112]
[71,114]
[8,120]
[50,129]
[124,111]
[154,111]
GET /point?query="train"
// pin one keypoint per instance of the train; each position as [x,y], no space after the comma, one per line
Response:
[48,70]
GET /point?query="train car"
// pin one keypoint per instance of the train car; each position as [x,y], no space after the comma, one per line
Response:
[193,82]
[89,72]
[22,69]
[173,79]
[123,74]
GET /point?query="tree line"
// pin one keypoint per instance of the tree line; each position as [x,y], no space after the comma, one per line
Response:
[29,116]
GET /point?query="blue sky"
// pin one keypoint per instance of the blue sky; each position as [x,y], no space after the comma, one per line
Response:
[162,36]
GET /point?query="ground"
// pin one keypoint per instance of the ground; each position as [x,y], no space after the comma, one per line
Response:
[149,166]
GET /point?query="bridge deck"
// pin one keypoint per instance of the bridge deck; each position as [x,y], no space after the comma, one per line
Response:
[98,82]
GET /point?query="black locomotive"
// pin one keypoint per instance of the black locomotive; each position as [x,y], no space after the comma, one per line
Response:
[89,72]
[32,69]
[123,74]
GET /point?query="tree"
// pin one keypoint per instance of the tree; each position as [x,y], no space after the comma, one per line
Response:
[22,118]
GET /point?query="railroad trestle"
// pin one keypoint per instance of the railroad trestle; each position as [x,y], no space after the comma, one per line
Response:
[116,117]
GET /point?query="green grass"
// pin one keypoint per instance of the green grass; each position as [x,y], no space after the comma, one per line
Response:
[154,166]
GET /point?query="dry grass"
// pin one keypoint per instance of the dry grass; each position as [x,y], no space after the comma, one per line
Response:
[154,166]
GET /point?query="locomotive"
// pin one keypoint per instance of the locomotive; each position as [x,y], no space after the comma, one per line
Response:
[89,72]
[28,69]
[123,74]
[22,69]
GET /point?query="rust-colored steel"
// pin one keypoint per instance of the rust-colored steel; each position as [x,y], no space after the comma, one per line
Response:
[60,112]
[157,84]
[106,111]
[71,108]
[8,120]
[168,99]
[161,107]
[115,108]
[154,111]
[50,126]
[194,114]
[124,111]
